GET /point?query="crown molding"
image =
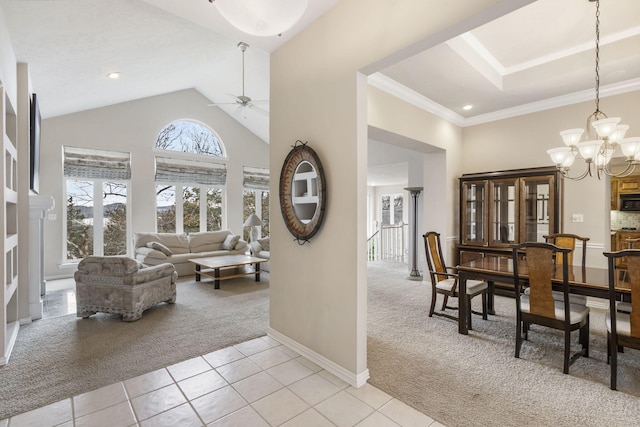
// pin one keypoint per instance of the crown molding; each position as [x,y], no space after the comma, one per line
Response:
[394,88]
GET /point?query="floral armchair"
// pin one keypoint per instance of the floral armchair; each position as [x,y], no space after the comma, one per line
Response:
[119,284]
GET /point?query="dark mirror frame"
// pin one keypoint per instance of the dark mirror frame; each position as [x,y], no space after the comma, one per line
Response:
[302,230]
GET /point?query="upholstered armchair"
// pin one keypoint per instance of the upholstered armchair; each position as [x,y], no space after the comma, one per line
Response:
[119,284]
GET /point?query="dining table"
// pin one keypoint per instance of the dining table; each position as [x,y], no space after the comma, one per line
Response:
[588,281]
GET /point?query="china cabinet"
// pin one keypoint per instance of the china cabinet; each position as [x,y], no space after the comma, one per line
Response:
[500,209]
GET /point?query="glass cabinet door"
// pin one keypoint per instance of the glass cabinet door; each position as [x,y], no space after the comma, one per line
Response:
[538,207]
[474,213]
[504,210]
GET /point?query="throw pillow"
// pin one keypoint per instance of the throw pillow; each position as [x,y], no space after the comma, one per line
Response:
[230,242]
[264,243]
[160,247]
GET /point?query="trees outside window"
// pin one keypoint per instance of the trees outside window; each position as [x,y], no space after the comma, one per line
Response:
[392,209]
[256,201]
[96,222]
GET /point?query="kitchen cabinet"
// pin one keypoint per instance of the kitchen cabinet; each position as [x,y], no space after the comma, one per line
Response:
[500,209]
[628,185]
[615,197]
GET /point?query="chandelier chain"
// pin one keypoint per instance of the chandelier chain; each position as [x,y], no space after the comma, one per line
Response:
[597,56]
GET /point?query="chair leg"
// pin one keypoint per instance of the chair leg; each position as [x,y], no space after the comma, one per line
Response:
[434,294]
[567,351]
[608,348]
[484,305]
[614,364]
[469,314]
[584,338]
[518,337]
[444,302]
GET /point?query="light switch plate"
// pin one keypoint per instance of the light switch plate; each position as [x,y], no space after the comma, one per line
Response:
[577,218]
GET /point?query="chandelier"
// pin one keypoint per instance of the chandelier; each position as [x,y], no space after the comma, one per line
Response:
[261,17]
[598,150]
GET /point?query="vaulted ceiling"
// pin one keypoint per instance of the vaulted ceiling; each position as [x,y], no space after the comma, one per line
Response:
[537,57]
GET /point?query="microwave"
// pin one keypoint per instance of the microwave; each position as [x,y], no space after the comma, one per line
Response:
[630,202]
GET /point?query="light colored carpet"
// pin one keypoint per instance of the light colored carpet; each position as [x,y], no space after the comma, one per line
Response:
[475,380]
[61,357]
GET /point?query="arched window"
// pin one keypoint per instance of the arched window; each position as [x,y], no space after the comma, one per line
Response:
[188,136]
[189,179]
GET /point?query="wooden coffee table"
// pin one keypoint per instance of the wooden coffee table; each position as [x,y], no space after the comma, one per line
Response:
[227,267]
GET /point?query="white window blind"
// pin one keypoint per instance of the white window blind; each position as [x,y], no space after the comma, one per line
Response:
[96,164]
[182,171]
[256,178]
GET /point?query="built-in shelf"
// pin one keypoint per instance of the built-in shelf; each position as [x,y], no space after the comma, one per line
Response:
[305,192]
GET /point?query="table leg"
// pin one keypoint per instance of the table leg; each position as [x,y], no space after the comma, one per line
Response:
[216,278]
[198,272]
[257,272]
[463,322]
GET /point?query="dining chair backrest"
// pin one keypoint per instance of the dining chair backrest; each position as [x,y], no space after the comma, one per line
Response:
[565,240]
[633,271]
[435,260]
[540,259]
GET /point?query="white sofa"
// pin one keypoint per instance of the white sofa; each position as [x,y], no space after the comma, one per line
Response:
[158,248]
[260,249]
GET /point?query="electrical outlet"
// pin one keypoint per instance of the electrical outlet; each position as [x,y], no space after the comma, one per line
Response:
[51,217]
[577,218]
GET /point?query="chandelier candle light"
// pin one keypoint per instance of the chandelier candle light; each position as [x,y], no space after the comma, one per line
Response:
[261,17]
[597,151]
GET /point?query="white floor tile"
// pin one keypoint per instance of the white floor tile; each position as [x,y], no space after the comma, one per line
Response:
[119,415]
[405,415]
[308,363]
[217,404]
[224,356]
[290,372]
[188,368]
[377,420]
[280,406]
[337,381]
[246,416]
[314,389]
[101,398]
[238,370]
[257,386]
[370,395]
[309,418]
[157,401]
[271,341]
[252,347]
[269,358]
[344,409]
[147,382]
[183,416]
[201,384]
[58,413]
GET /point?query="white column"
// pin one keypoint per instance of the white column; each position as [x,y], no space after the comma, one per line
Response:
[38,206]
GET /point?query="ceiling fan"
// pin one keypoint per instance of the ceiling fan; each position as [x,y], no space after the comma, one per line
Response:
[243,101]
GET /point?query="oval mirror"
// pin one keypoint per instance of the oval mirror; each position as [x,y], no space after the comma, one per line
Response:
[302,192]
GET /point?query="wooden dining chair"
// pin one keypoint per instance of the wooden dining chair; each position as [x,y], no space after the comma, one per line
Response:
[623,327]
[566,240]
[539,307]
[444,280]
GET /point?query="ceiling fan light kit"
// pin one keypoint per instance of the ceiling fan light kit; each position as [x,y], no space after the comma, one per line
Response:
[599,149]
[261,17]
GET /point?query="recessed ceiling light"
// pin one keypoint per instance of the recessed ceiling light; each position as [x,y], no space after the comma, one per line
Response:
[467,107]
[114,75]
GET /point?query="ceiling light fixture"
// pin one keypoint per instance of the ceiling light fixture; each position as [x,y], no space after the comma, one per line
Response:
[114,75]
[597,151]
[261,17]
[467,107]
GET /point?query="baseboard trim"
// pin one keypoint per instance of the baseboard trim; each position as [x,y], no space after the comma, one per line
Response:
[356,380]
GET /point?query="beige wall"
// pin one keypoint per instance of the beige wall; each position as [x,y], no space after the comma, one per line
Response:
[133,127]
[522,142]
[318,290]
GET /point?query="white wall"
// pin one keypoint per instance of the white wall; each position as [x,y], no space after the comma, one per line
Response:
[133,127]
[522,142]
[318,291]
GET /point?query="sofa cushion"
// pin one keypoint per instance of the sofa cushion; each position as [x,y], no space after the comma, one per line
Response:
[160,247]
[149,253]
[240,245]
[207,240]
[177,243]
[264,243]
[230,242]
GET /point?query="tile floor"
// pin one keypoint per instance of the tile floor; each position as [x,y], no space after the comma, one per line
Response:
[252,384]
[256,383]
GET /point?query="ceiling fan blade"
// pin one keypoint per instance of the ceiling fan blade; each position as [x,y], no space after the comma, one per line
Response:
[259,109]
